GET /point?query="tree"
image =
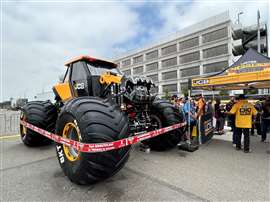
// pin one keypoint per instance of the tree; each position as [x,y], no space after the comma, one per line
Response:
[251,91]
[185,92]
[223,92]
[167,95]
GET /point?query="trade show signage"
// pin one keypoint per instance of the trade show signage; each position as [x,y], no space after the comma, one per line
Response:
[206,128]
[251,66]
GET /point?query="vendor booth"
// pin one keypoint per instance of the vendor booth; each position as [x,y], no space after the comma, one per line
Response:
[251,71]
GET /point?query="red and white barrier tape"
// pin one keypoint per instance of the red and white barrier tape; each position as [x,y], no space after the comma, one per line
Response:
[101,147]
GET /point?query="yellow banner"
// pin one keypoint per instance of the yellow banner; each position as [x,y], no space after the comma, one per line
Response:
[250,67]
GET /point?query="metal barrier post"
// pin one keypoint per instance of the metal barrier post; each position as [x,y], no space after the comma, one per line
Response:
[10,123]
[200,135]
[5,123]
[2,120]
[189,116]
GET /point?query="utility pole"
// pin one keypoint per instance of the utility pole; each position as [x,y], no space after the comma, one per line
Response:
[258,33]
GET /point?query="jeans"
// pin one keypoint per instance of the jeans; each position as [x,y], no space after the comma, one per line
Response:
[239,132]
[256,126]
[265,125]
[220,124]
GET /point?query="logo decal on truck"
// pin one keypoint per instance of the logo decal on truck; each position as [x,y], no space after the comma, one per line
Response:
[60,154]
[79,86]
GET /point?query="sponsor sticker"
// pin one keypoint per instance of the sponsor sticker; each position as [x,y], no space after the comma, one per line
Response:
[201,82]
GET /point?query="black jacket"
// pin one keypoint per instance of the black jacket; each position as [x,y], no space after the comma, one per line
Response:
[266,109]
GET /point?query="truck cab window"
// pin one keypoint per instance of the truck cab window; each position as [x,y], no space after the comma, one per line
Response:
[67,75]
[78,72]
[79,79]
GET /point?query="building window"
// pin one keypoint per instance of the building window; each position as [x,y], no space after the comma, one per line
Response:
[184,86]
[169,75]
[189,43]
[138,59]
[169,62]
[152,55]
[154,77]
[169,49]
[138,70]
[126,62]
[214,67]
[215,35]
[215,51]
[127,72]
[169,88]
[190,57]
[152,67]
[193,71]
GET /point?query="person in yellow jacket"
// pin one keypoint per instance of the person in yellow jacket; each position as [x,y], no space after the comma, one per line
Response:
[243,111]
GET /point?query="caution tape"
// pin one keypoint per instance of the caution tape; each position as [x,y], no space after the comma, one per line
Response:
[101,147]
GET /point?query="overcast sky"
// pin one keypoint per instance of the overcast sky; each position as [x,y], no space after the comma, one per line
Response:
[38,37]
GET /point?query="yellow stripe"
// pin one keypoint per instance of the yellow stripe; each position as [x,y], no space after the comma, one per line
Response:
[9,137]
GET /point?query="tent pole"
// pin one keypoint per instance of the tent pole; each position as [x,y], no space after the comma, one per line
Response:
[213,98]
[199,126]
[189,116]
[200,134]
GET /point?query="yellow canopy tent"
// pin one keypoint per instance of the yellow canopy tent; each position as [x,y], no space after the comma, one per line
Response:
[252,70]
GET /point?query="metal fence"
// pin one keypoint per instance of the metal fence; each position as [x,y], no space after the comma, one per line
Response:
[9,122]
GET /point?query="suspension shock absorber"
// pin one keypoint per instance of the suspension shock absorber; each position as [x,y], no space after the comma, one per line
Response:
[112,89]
[122,90]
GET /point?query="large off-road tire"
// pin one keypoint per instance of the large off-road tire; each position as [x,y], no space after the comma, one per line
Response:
[164,114]
[91,120]
[42,114]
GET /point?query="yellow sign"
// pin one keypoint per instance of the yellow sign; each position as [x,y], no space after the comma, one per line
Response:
[249,67]
[246,78]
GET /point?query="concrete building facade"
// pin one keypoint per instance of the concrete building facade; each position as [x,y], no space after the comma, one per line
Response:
[199,50]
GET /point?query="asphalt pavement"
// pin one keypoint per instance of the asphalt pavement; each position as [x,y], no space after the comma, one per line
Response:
[213,173]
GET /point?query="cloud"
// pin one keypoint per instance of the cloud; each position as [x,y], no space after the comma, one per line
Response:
[39,37]
[178,15]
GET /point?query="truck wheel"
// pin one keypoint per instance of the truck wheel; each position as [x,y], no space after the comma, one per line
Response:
[42,114]
[91,120]
[164,114]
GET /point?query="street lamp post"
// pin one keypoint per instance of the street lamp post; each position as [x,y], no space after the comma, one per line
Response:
[258,33]
[238,17]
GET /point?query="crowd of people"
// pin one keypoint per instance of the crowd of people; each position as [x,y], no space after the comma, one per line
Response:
[242,116]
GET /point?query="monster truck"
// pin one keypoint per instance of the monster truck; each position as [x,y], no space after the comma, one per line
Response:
[96,103]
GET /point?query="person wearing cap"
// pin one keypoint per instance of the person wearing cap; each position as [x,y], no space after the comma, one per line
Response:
[180,105]
[244,111]
[220,116]
[174,99]
[190,114]
[181,101]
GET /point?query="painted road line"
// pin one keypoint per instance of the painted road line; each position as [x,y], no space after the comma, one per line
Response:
[9,137]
